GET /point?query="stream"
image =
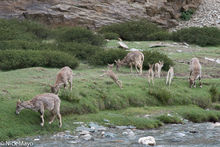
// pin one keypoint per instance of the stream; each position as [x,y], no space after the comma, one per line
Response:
[171,135]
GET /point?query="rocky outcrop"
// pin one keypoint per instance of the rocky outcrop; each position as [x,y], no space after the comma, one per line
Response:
[96,13]
[207,14]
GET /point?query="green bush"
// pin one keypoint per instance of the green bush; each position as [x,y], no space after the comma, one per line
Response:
[163,95]
[154,57]
[206,36]
[169,119]
[107,56]
[111,36]
[132,30]
[80,50]
[78,34]
[186,15]
[22,30]
[214,93]
[163,35]
[71,96]
[15,59]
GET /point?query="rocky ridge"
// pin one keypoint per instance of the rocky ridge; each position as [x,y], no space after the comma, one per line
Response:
[96,13]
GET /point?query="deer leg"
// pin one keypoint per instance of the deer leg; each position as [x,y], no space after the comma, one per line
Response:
[42,115]
[200,83]
[65,84]
[53,117]
[71,84]
[167,78]
[60,120]
[136,68]
[131,68]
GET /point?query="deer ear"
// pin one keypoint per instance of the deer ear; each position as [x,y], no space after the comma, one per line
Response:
[115,61]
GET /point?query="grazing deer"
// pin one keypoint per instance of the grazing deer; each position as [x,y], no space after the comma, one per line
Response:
[135,58]
[195,72]
[158,67]
[150,74]
[170,75]
[64,76]
[40,103]
[113,76]
[110,66]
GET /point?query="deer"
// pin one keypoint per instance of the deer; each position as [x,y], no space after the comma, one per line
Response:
[110,66]
[151,74]
[195,72]
[40,103]
[64,76]
[113,76]
[135,58]
[158,67]
[170,75]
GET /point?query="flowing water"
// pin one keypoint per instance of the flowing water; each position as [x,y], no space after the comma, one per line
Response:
[173,135]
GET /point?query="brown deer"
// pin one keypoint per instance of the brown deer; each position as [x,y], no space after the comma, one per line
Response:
[113,76]
[158,67]
[64,76]
[40,103]
[195,72]
[135,58]
[150,74]
[170,75]
[110,66]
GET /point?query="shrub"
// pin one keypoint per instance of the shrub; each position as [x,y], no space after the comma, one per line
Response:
[111,36]
[15,59]
[115,102]
[201,36]
[78,34]
[154,57]
[161,94]
[163,35]
[80,50]
[214,93]
[71,96]
[14,29]
[186,15]
[132,30]
[169,119]
[107,56]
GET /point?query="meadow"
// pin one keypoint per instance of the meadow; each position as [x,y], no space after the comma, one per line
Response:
[96,98]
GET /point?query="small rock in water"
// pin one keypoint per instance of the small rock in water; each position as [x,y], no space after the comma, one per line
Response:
[124,133]
[109,135]
[87,137]
[217,124]
[36,139]
[149,140]
[180,134]
[106,120]
[72,142]
[96,127]
[193,131]
[84,132]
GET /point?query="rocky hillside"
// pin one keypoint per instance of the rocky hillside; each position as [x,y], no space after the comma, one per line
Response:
[207,14]
[95,13]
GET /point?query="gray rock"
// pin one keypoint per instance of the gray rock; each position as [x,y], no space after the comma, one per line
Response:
[86,137]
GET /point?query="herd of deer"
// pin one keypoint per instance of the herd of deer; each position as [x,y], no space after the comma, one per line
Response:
[51,101]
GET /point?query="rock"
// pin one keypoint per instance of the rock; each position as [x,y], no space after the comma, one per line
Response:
[86,137]
[96,127]
[125,127]
[72,142]
[84,132]
[122,45]
[179,51]
[96,13]
[109,135]
[83,128]
[78,123]
[106,120]
[149,140]
[193,131]
[36,139]
[217,124]
[180,135]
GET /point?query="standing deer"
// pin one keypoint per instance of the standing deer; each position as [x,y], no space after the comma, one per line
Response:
[64,76]
[158,67]
[150,74]
[113,76]
[195,72]
[170,75]
[110,66]
[40,103]
[135,58]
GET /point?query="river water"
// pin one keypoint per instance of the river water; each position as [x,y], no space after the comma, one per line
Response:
[173,135]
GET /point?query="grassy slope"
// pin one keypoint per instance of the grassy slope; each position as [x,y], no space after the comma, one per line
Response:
[96,93]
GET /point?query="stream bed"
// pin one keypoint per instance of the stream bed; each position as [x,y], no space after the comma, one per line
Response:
[171,135]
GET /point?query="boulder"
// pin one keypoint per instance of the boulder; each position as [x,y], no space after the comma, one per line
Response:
[149,140]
